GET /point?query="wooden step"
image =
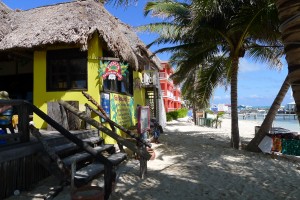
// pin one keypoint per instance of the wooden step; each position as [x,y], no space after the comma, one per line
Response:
[82,156]
[72,146]
[117,158]
[89,172]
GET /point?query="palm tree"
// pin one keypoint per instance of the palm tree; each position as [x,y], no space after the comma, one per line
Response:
[267,123]
[210,28]
[288,13]
[198,82]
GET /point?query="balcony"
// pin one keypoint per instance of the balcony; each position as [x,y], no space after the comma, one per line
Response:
[167,94]
[177,98]
[150,78]
[163,75]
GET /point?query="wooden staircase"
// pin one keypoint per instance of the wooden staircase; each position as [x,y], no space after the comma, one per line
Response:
[59,156]
[89,154]
[87,168]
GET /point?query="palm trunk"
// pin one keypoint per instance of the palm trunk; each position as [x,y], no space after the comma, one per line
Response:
[267,123]
[288,13]
[235,136]
[194,114]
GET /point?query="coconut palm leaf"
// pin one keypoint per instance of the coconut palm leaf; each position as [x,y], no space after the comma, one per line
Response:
[270,55]
[210,28]
[169,10]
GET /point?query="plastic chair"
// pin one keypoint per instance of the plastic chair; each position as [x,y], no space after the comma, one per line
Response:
[6,121]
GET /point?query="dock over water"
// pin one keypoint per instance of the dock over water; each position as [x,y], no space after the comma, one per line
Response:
[278,116]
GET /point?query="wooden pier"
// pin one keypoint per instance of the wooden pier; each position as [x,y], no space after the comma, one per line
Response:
[278,116]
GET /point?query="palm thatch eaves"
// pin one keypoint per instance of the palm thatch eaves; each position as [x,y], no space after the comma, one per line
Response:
[5,26]
[70,23]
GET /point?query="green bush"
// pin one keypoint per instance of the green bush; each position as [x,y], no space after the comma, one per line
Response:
[173,115]
[182,112]
[169,117]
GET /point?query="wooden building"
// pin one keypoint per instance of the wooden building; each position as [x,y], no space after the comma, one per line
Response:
[55,52]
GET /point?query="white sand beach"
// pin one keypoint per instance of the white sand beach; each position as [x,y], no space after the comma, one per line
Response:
[194,162]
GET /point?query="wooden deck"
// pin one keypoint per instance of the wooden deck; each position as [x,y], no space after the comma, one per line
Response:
[19,164]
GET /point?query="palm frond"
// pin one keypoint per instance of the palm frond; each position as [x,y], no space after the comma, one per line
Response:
[168,10]
[270,55]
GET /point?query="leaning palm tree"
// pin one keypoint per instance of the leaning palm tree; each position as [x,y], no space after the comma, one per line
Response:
[288,13]
[209,28]
[268,121]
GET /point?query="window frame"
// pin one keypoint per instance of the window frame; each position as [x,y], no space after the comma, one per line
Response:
[127,82]
[80,58]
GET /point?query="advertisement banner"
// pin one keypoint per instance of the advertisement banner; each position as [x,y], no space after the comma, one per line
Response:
[122,109]
[105,103]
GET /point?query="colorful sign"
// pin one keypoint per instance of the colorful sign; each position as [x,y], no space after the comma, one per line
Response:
[143,119]
[112,69]
[105,103]
[122,109]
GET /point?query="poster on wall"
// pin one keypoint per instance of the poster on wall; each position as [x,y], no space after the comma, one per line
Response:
[105,103]
[112,69]
[122,109]
[143,119]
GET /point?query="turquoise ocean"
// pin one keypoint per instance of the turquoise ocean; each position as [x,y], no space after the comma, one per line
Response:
[288,123]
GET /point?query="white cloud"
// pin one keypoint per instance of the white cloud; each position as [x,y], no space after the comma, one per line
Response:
[248,66]
[220,97]
[255,96]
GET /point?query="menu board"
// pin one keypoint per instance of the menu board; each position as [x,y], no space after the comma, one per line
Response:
[122,109]
[143,119]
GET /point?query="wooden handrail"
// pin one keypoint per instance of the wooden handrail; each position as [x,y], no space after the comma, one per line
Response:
[108,166]
[128,132]
[82,115]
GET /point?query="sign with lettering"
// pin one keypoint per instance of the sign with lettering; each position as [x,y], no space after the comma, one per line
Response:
[112,69]
[122,109]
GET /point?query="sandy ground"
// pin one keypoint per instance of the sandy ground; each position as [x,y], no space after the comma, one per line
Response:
[195,162]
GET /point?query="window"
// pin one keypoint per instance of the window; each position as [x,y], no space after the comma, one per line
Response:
[124,86]
[66,70]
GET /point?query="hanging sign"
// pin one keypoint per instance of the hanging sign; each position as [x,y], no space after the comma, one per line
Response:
[112,69]
[122,109]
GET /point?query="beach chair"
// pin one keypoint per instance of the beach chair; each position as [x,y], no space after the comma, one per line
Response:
[6,121]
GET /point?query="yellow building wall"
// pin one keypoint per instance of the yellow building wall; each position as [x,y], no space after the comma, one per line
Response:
[138,93]
[41,96]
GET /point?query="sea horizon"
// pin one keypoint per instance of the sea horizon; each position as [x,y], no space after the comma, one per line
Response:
[287,123]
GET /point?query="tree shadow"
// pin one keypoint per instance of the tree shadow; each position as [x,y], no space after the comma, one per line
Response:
[201,165]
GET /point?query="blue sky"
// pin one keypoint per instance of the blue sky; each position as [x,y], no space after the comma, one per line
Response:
[258,84]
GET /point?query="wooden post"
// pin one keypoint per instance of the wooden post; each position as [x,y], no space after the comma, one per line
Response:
[143,161]
[88,113]
[58,114]
[23,126]
[73,120]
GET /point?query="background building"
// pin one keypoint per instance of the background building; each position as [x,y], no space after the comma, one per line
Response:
[171,93]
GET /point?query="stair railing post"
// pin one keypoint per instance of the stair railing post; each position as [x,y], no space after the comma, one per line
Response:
[23,122]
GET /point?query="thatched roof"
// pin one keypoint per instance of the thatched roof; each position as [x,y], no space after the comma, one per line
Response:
[69,23]
[5,27]
[139,47]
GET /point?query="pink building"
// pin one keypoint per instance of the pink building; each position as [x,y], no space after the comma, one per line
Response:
[171,93]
